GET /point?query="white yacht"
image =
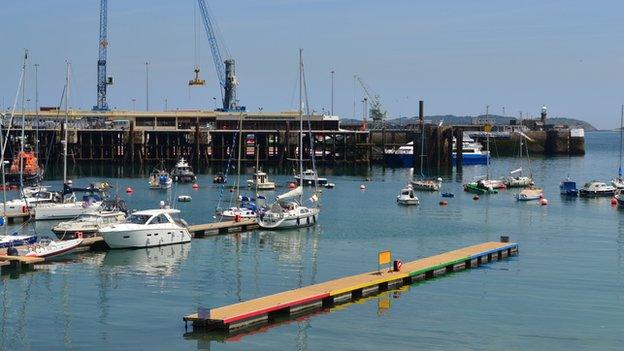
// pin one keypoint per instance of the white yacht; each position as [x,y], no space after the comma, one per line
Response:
[23,205]
[309,177]
[146,229]
[287,212]
[407,197]
[238,212]
[261,181]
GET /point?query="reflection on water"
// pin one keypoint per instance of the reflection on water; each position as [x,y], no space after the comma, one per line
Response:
[153,261]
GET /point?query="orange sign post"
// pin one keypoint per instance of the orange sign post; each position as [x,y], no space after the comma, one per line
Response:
[383,257]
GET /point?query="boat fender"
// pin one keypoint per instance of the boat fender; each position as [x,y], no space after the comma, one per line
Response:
[79,235]
[397,264]
[24,209]
[237,218]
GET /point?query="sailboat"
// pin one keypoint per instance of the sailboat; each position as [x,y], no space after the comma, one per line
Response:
[487,185]
[619,181]
[430,184]
[516,179]
[6,240]
[288,210]
[69,207]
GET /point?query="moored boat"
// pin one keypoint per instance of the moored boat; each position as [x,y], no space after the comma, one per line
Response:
[596,189]
[90,223]
[310,178]
[529,194]
[619,197]
[568,188]
[50,249]
[159,180]
[182,172]
[480,187]
[428,184]
[260,181]
[26,166]
[146,229]
[16,240]
[407,197]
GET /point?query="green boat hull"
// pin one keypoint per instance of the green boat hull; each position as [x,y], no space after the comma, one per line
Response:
[476,189]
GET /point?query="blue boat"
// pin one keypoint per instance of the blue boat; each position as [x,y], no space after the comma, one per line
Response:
[568,188]
[448,195]
[401,157]
[472,154]
[16,240]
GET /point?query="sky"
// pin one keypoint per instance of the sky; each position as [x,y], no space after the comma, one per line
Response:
[457,56]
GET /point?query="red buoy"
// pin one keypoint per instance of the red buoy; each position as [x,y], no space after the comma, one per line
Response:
[129,190]
[443,203]
[543,201]
[195,186]
[613,201]
[291,185]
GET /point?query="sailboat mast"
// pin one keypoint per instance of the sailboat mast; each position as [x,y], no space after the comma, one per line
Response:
[487,136]
[66,124]
[21,154]
[4,197]
[257,168]
[301,121]
[240,146]
[621,126]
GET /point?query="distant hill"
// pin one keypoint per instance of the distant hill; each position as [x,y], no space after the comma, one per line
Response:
[452,119]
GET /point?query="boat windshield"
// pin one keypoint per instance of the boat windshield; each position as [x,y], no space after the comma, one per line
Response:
[137,219]
[87,218]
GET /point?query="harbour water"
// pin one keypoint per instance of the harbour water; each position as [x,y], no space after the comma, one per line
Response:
[565,290]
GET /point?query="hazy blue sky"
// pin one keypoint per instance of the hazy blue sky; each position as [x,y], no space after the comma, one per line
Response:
[458,56]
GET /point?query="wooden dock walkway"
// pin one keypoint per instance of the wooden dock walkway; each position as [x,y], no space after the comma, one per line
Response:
[220,228]
[311,298]
[18,263]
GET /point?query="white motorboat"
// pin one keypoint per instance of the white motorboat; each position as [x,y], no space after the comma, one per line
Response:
[529,194]
[260,181]
[89,223]
[182,172]
[310,177]
[518,181]
[160,179]
[407,197]
[618,182]
[427,184]
[494,183]
[596,189]
[69,208]
[49,249]
[146,229]
[19,206]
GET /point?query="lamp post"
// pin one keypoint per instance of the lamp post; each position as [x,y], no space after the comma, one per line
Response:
[332,92]
[146,86]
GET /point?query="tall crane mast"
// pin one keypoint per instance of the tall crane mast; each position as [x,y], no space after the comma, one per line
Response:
[378,115]
[225,69]
[102,79]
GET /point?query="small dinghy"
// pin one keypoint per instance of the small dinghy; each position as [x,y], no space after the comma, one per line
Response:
[448,195]
[530,194]
[184,198]
[52,248]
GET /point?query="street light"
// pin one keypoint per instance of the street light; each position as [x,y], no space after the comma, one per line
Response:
[332,92]
[146,86]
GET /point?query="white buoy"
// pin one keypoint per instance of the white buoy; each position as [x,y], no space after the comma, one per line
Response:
[362,187]
[543,201]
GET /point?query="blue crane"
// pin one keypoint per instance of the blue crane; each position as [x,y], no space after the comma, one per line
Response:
[102,80]
[225,68]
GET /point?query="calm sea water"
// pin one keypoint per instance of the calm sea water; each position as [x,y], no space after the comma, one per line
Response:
[564,291]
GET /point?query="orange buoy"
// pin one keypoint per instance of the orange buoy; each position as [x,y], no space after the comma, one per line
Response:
[443,203]
[129,190]
[613,201]
[543,201]
[195,186]
[476,197]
